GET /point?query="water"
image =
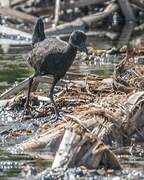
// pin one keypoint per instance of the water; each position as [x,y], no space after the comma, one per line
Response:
[13,67]
[18,165]
[132,161]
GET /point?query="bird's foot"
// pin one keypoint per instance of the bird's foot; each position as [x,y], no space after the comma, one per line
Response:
[27,109]
[67,88]
[55,117]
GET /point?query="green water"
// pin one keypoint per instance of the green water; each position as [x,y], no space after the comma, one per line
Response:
[13,67]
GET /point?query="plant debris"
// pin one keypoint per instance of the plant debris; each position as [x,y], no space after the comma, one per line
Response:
[95,112]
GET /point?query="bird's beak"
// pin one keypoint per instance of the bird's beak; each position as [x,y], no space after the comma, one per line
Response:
[83,48]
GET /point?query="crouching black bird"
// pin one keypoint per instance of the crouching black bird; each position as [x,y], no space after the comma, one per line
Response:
[54,57]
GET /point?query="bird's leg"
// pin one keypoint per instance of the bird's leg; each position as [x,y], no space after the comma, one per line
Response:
[66,84]
[26,106]
[56,79]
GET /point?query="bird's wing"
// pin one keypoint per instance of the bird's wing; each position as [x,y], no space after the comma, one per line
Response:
[42,50]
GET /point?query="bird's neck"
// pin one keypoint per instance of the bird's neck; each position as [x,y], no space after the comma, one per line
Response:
[71,51]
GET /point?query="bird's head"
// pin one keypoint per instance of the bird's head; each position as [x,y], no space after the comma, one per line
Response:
[78,40]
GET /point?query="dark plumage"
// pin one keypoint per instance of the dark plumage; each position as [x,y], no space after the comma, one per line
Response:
[54,57]
[38,33]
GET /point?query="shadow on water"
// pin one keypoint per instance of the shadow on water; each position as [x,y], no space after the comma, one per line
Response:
[13,68]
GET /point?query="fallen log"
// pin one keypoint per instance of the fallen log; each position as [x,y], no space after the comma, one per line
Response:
[9,42]
[79,148]
[17,2]
[127,10]
[100,15]
[50,138]
[7,31]
[81,3]
[3,103]
[138,3]
[15,89]
[82,22]
[66,148]
[17,14]
[63,6]
[22,85]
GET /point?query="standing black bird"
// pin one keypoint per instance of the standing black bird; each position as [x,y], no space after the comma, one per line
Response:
[38,33]
[54,57]
[37,36]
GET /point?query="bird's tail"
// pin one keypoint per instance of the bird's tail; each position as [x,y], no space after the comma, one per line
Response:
[38,33]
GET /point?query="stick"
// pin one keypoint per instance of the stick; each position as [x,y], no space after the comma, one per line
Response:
[50,138]
[23,85]
[65,151]
[15,89]
[57,10]
[127,10]
[76,120]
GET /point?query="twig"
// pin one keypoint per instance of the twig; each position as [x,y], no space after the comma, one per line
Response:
[57,10]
